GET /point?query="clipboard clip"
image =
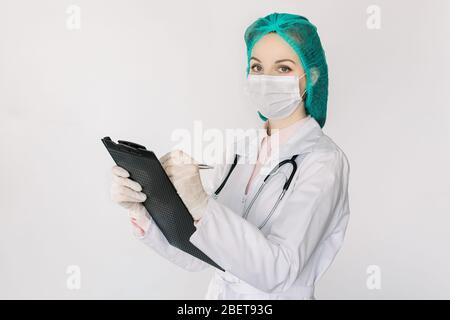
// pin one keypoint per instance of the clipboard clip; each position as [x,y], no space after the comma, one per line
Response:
[131,144]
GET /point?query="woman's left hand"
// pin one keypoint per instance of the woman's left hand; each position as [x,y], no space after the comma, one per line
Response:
[184,173]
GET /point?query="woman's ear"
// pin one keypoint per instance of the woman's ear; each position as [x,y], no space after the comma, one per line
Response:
[315,73]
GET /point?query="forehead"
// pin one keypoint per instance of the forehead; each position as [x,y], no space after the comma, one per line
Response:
[272,47]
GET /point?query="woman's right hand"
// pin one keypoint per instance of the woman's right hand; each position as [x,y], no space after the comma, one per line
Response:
[127,193]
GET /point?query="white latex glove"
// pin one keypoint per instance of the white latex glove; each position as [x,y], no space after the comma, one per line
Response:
[184,174]
[127,193]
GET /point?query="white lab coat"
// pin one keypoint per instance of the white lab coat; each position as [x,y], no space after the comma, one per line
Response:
[291,252]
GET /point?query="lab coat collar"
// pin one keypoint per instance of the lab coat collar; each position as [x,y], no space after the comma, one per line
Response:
[300,142]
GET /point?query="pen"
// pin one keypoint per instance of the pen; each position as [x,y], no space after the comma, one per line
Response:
[204,166]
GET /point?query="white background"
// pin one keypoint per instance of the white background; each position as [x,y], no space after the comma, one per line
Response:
[138,70]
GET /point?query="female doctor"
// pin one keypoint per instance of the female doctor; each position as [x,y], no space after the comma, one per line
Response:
[275,229]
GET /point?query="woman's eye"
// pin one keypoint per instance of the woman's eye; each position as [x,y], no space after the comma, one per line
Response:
[284,69]
[256,68]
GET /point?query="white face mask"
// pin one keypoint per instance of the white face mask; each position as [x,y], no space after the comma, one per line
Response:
[276,97]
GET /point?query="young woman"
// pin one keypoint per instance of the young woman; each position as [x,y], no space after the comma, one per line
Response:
[275,237]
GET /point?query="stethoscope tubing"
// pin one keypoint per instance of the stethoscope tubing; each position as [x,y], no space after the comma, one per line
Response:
[266,180]
[264,183]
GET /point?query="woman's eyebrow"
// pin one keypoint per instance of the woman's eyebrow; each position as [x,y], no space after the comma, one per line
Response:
[255,59]
[278,61]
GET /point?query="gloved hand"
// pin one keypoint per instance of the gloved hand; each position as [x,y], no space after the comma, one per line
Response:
[184,174]
[127,193]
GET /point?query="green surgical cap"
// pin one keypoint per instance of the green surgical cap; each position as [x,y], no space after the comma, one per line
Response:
[302,36]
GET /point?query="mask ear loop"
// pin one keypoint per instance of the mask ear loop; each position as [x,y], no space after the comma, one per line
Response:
[304,92]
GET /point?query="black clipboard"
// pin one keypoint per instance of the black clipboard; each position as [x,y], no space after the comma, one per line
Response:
[163,202]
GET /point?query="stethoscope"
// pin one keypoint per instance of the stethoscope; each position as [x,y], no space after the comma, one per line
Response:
[266,180]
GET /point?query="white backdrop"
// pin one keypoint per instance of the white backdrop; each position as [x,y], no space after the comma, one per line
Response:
[138,70]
